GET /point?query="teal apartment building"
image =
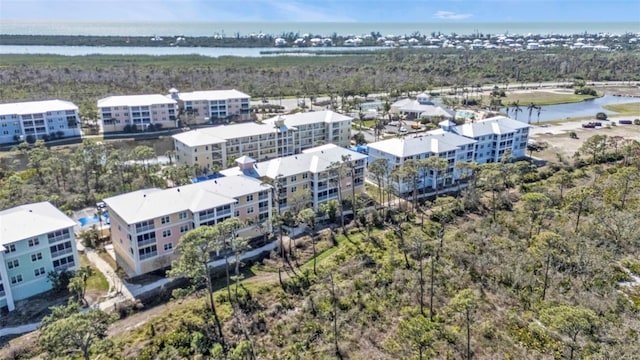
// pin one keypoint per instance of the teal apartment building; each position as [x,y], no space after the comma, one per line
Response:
[35,239]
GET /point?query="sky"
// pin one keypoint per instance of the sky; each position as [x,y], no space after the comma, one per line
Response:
[425,11]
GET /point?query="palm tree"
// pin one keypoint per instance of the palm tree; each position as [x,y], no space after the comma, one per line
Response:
[516,108]
[539,108]
[530,108]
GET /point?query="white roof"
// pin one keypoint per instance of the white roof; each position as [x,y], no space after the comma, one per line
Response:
[212,95]
[410,105]
[27,221]
[135,100]
[36,107]
[314,160]
[495,125]
[222,133]
[435,143]
[148,204]
[311,117]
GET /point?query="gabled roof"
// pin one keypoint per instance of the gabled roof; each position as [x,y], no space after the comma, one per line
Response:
[314,160]
[27,221]
[431,142]
[430,110]
[222,133]
[199,137]
[36,107]
[135,100]
[245,160]
[148,204]
[496,125]
[212,95]
[310,117]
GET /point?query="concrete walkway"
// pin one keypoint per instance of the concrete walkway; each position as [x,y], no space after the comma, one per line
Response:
[17,330]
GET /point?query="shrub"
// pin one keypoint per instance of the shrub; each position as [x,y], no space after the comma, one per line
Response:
[573,135]
[636,122]
[59,280]
[601,116]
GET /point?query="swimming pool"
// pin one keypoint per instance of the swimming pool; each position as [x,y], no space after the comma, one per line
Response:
[94,219]
[464,114]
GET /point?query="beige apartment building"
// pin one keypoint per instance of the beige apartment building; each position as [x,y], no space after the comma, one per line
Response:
[139,112]
[213,106]
[146,225]
[216,148]
[314,170]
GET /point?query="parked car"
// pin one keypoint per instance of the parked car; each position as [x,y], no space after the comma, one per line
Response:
[403,129]
[625,122]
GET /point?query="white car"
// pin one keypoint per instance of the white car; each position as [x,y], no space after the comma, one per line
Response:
[403,129]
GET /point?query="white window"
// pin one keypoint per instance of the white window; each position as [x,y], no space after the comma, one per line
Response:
[13,263]
[182,215]
[250,210]
[293,178]
[10,248]
[294,189]
[250,197]
[165,219]
[36,257]
[16,279]
[168,246]
[305,175]
[39,272]
[166,233]
[184,229]
[34,242]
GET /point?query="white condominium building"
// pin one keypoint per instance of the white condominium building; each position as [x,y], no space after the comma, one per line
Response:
[38,120]
[483,141]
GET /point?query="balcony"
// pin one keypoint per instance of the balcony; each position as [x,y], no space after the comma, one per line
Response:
[146,242]
[148,255]
[64,267]
[55,254]
[144,228]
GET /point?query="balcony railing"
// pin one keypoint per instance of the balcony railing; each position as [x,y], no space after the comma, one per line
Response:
[55,254]
[148,255]
[64,267]
[146,242]
[55,239]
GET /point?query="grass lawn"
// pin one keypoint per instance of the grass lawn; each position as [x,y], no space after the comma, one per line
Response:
[632,109]
[97,281]
[106,257]
[543,98]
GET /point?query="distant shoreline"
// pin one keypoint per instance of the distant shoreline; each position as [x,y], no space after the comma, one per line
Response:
[375,39]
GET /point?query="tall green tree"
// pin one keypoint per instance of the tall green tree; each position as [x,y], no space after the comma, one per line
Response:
[67,333]
[308,217]
[420,333]
[570,321]
[194,254]
[465,303]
